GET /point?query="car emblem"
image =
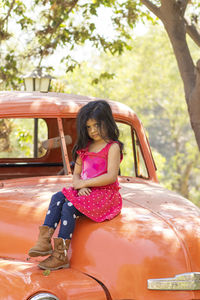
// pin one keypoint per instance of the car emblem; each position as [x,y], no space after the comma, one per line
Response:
[181,282]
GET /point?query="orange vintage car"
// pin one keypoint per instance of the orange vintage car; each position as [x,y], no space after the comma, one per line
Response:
[151,251]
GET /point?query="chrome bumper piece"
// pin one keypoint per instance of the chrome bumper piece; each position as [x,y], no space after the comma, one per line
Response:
[181,282]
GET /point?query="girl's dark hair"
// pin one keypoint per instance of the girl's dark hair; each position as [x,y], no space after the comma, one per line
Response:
[100,111]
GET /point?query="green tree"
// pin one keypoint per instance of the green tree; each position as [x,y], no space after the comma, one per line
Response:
[9,56]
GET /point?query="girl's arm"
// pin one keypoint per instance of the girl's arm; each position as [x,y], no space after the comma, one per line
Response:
[105,179]
[76,177]
[77,169]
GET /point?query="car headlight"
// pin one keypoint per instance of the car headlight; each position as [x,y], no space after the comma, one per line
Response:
[44,296]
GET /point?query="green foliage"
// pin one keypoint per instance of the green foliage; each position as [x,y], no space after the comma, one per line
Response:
[9,73]
[56,24]
[24,141]
[103,76]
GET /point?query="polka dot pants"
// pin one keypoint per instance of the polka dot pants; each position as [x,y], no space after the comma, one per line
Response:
[63,211]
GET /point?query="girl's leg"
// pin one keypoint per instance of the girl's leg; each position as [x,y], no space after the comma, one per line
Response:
[43,245]
[54,211]
[59,258]
[68,219]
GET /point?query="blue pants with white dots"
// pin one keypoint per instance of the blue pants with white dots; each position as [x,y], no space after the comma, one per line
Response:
[63,211]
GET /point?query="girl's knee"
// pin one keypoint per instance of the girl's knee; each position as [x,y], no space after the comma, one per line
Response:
[67,206]
[58,197]
[72,208]
[69,210]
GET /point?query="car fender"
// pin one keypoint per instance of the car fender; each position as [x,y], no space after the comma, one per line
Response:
[21,280]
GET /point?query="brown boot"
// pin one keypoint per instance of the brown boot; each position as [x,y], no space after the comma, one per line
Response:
[43,245]
[58,259]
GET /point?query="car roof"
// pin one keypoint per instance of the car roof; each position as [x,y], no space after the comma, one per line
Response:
[37,104]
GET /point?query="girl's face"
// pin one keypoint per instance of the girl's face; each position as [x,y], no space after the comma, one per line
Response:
[93,129]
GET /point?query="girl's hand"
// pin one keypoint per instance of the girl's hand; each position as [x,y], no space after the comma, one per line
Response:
[84,192]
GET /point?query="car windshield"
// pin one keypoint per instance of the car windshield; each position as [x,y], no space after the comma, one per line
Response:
[34,148]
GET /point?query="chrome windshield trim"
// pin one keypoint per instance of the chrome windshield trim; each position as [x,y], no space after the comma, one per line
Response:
[180,282]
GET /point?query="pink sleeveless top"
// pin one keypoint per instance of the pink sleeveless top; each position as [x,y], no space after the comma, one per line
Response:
[94,163]
[103,202]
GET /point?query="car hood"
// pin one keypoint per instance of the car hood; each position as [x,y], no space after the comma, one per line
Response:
[156,235]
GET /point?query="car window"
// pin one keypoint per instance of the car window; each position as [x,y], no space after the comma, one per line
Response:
[141,169]
[133,163]
[22,138]
[127,166]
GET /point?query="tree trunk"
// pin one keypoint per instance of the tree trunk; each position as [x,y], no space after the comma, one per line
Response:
[184,181]
[194,105]
[189,74]
[171,13]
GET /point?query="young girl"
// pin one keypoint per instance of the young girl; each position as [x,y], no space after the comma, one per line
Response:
[95,192]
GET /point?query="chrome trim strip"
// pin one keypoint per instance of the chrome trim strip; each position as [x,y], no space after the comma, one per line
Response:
[181,282]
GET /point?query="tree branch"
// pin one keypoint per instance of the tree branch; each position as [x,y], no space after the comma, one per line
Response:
[193,32]
[152,7]
[183,5]
[73,5]
[9,11]
[184,182]
[56,26]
